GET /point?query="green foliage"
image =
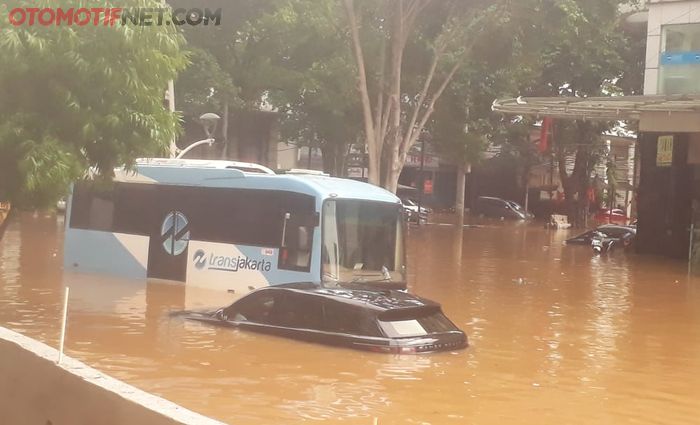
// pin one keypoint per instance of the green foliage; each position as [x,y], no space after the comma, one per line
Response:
[501,64]
[315,85]
[230,61]
[204,85]
[289,54]
[75,97]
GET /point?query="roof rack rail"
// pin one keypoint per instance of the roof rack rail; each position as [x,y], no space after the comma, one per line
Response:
[246,167]
[304,171]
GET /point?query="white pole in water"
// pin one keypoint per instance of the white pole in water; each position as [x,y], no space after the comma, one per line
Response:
[376,421]
[63,326]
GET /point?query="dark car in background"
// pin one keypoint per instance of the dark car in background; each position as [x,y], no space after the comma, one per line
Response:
[385,321]
[500,208]
[624,234]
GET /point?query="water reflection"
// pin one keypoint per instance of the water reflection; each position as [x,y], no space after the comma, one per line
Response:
[557,336]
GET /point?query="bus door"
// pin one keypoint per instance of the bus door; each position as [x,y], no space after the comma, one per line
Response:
[169,239]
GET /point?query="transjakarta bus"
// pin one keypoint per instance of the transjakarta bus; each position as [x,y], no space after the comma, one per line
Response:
[235,227]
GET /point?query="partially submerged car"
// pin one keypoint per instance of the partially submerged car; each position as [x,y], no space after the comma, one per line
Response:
[625,234]
[500,208]
[385,321]
[413,212]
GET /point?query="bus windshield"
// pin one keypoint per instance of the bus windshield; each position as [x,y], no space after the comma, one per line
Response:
[362,243]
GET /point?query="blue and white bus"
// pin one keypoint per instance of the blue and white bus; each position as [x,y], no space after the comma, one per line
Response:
[235,227]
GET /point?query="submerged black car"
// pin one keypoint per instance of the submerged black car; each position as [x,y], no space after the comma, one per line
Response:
[382,321]
[500,208]
[624,234]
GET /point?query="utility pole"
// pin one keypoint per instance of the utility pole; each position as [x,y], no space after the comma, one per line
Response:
[171,106]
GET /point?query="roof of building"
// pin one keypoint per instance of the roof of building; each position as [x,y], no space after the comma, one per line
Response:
[609,108]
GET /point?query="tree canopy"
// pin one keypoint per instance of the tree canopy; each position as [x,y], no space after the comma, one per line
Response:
[381,72]
[80,97]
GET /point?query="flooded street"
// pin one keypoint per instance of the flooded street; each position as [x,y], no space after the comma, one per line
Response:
[557,337]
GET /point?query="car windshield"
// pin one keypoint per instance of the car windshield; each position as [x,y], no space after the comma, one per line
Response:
[515,206]
[362,242]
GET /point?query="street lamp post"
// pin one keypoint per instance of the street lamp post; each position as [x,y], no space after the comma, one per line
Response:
[209,122]
[422,177]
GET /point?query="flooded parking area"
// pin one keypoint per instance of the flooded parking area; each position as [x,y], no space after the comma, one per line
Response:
[557,335]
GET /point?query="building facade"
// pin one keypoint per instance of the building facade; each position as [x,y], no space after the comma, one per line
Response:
[669,146]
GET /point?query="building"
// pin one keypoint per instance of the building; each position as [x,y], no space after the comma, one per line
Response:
[668,115]
[669,195]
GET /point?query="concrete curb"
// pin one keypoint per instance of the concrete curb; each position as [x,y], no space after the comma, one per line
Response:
[33,387]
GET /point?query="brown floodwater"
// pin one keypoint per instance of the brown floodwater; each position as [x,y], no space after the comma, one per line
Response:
[557,336]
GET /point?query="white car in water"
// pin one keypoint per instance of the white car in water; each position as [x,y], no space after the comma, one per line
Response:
[412,211]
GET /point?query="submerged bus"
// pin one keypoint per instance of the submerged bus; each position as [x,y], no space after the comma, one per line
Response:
[235,227]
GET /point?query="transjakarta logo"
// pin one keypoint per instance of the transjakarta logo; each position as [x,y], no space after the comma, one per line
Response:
[228,264]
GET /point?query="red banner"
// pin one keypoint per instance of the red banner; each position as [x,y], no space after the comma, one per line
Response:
[544,134]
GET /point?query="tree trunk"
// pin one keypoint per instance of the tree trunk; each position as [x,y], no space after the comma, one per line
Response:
[392,167]
[373,145]
[461,186]
[328,158]
[385,123]
[333,156]
[5,212]
[339,162]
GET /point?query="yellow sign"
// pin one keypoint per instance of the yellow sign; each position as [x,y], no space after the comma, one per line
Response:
[664,151]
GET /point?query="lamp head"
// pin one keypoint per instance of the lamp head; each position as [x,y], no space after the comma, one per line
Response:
[209,122]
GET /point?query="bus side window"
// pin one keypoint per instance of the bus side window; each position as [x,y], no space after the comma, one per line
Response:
[91,209]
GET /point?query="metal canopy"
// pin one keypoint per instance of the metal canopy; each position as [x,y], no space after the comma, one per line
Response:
[611,108]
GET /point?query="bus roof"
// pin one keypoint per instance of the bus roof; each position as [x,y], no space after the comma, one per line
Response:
[216,173]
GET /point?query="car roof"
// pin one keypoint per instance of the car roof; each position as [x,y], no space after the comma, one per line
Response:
[377,300]
[616,226]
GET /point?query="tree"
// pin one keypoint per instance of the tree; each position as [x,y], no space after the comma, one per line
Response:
[583,56]
[228,67]
[499,64]
[317,95]
[80,97]
[581,49]
[405,93]
[289,55]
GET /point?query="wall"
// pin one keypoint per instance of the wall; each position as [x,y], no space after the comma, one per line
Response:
[34,390]
[694,149]
[665,199]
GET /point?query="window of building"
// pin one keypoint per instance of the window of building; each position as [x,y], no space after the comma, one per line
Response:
[679,67]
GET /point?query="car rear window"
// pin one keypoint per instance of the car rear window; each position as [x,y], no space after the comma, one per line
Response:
[419,326]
